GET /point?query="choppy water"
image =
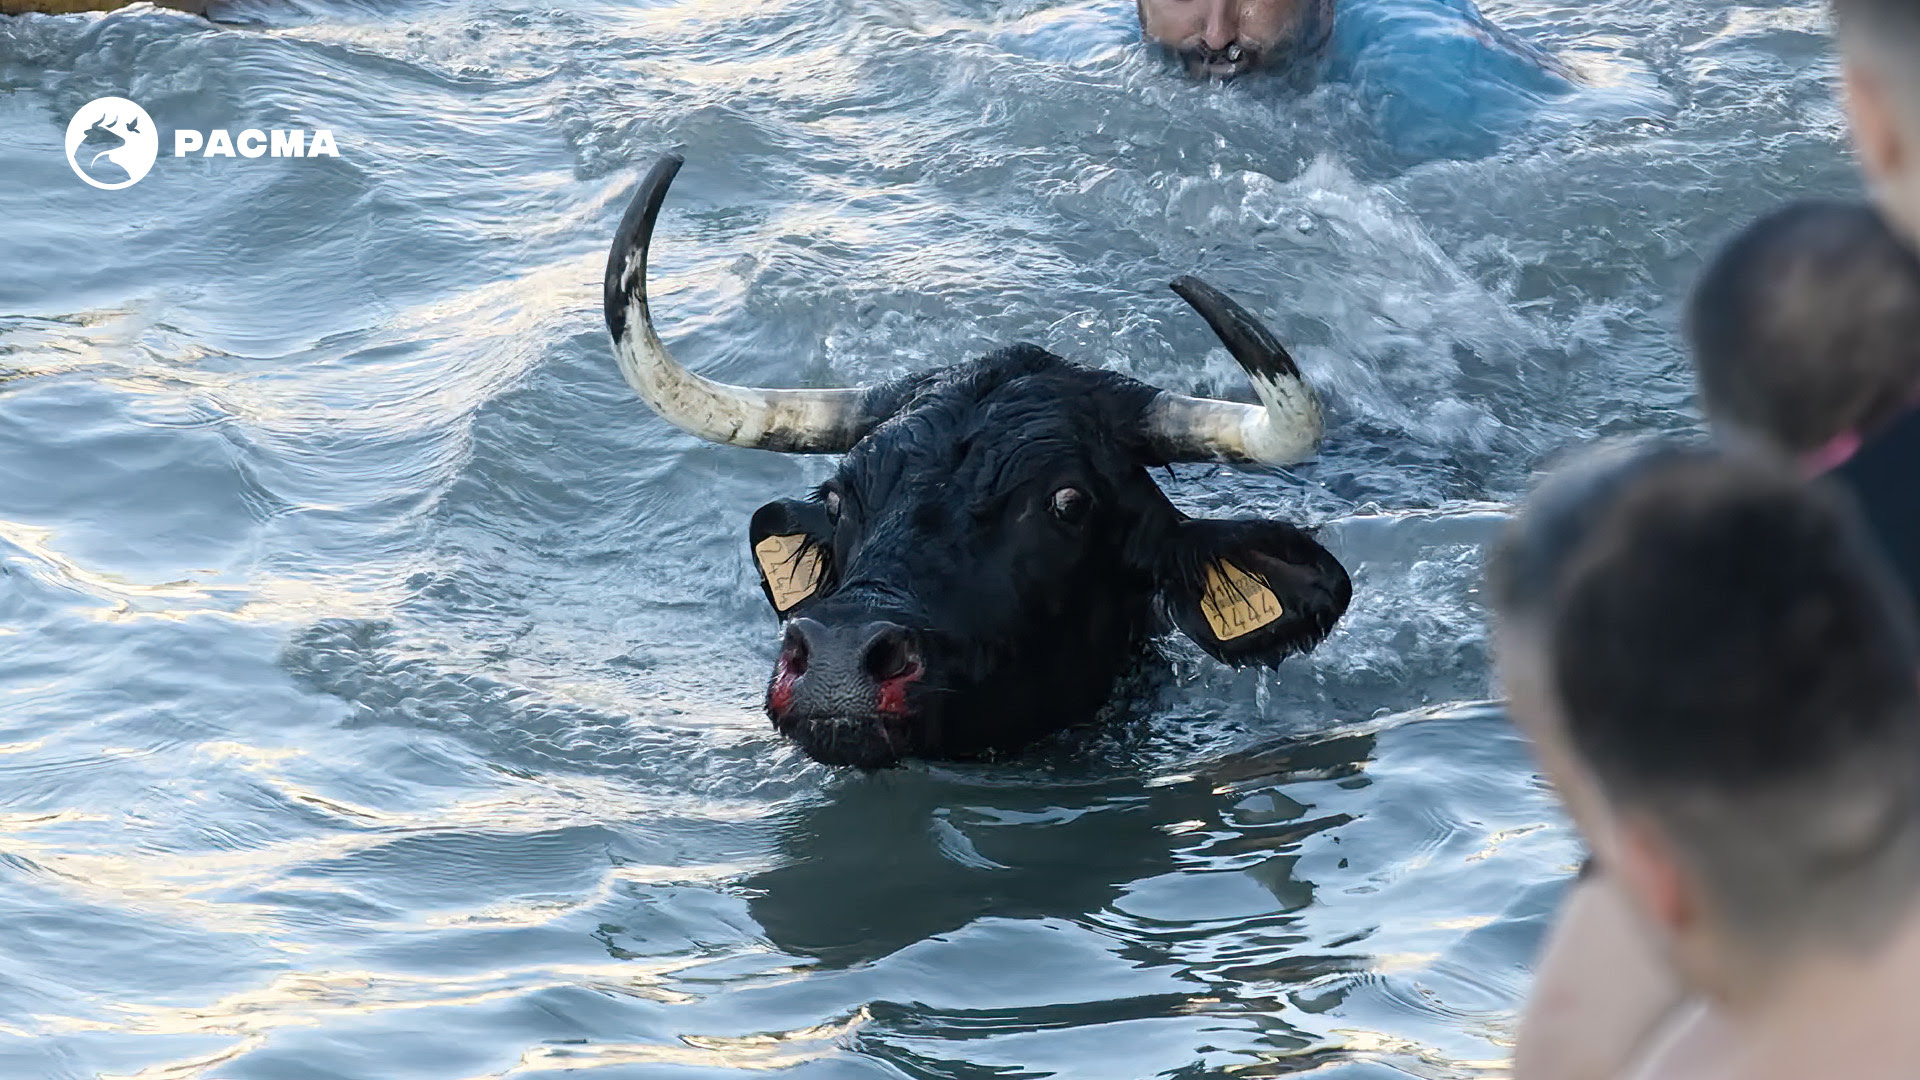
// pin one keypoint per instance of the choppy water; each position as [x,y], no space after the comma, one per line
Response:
[379,681]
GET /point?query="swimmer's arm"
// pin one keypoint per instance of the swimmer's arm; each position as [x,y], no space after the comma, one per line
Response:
[1600,991]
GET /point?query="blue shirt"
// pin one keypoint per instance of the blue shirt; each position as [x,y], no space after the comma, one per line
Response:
[1439,80]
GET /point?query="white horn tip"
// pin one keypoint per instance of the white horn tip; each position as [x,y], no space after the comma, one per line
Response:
[1289,429]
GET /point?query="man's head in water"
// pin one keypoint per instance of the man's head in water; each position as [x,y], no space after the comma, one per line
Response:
[1729,704]
[1880,50]
[1806,329]
[1223,38]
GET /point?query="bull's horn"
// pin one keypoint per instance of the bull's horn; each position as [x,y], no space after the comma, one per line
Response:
[801,421]
[1283,429]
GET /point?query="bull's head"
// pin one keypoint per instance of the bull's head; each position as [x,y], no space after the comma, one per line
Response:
[102,130]
[991,553]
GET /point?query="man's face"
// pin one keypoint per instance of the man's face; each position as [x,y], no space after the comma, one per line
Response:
[1883,110]
[1526,676]
[1629,852]
[1223,38]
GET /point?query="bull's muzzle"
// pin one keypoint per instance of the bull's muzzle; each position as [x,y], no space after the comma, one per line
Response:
[841,690]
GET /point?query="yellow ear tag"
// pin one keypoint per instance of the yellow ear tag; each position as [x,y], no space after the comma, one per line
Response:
[1236,603]
[791,567]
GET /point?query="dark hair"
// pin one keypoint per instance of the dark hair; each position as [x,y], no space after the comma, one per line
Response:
[1807,325]
[1529,560]
[1731,654]
[1728,625]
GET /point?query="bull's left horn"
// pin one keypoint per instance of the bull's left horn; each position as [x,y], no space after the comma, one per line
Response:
[1284,428]
[800,421]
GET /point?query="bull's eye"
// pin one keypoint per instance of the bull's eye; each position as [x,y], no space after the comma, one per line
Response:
[832,501]
[1070,505]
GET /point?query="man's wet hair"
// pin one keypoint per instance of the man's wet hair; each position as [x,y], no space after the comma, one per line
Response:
[1733,659]
[1807,326]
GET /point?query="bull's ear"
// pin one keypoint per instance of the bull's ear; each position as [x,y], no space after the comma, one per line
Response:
[792,549]
[1251,592]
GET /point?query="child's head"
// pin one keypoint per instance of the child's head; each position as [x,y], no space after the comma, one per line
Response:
[1717,673]
[1806,327]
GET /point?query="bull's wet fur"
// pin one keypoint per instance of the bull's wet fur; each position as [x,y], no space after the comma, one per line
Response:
[991,554]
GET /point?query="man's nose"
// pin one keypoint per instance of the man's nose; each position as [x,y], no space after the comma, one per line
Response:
[1223,24]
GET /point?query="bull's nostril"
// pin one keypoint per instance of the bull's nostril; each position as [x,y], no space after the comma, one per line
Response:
[890,653]
[794,652]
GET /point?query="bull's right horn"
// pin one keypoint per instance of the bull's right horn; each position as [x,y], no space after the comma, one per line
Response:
[1284,428]
[799,421]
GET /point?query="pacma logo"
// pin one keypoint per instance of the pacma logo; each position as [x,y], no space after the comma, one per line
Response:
[112,143]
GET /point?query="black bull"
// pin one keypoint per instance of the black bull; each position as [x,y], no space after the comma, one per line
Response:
[992,554]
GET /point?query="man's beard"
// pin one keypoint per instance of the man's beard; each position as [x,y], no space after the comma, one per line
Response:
[1204,62]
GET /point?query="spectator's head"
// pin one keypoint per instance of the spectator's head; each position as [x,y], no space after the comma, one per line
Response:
[1880,45]
[1524,579]
[1806,328]
[1223,38]
[1734,703]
